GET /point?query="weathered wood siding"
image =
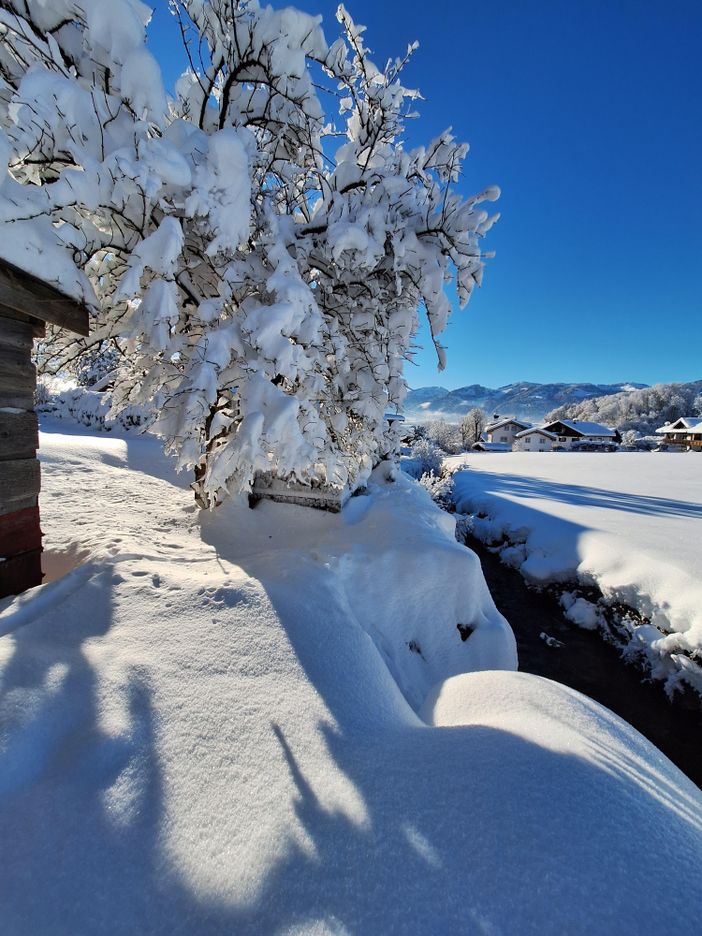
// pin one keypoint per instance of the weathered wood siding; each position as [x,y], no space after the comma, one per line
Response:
[20,532]
[26,303]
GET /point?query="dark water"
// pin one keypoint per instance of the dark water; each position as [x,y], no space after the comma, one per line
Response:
[589,664]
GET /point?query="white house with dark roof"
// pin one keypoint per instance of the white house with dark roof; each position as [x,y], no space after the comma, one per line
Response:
[535,439]
[686,431]
[503,431]
[572,433]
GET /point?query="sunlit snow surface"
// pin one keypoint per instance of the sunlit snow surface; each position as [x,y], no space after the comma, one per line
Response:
[216,724]
[630,523]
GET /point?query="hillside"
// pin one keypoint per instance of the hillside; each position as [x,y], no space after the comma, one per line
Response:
[525,400]
[643,410]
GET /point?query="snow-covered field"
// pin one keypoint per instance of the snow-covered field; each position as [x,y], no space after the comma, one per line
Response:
[267,722]
[628,523]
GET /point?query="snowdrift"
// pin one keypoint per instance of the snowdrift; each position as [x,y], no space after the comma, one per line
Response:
[268,722]
[627,523]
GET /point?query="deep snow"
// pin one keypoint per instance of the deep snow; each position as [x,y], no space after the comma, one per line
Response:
[625,522]
[210,724]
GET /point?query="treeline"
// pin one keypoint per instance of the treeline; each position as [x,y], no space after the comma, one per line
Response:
[641,411]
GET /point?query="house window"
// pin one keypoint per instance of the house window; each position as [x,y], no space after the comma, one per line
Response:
[503,438]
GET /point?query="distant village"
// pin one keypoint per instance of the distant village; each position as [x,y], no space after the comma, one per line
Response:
[509,434]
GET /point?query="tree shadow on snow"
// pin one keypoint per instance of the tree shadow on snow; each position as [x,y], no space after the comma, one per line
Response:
[582,495]
[80,789]
[465,829]
[459,830]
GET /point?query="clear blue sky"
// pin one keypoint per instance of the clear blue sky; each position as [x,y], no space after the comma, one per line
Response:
[588,115]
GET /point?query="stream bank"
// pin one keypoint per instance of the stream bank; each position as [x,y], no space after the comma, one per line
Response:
[582,660]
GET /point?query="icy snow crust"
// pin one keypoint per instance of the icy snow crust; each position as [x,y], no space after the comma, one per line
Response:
[628,523]
[210,725]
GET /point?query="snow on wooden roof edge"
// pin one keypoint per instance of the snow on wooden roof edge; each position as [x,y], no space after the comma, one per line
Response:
[25,292]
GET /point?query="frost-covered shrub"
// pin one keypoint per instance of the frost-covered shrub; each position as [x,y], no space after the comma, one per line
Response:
[447,436]
[260,281]
[88,408]
[425,458]
[440,486]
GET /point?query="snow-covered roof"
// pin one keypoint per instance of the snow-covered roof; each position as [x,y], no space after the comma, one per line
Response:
[30,252]
[504,421]
[536,430]
[394,417]
[492,447]
[584,428]
[23,291]
[687,424]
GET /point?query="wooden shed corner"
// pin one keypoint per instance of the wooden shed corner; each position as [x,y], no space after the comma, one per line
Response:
[26,304]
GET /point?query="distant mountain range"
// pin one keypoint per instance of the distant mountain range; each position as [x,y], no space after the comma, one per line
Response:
[530,401]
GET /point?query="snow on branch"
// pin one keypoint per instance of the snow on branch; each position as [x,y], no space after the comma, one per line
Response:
[259,279]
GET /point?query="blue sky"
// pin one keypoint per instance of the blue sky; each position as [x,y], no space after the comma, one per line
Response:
[588,115]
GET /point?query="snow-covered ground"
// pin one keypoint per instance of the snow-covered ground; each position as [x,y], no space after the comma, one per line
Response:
[628,523]
[267,722]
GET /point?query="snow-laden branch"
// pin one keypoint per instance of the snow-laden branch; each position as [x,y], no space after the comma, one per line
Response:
[259,283]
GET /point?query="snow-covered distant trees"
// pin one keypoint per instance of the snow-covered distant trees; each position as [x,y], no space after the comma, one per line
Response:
[641,411]
[256,270]
[472,426]
[444,434]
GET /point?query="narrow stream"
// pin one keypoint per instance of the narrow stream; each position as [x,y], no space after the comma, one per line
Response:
[587,663]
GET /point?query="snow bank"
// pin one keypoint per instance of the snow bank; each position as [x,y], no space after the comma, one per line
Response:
[63,399]
[625,522]
[208,725]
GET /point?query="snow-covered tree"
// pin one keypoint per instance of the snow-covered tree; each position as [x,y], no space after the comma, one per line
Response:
[472,426]
[643,410]
[255,264]
[444,434]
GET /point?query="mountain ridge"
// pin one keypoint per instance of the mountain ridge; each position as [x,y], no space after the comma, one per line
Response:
[522,399]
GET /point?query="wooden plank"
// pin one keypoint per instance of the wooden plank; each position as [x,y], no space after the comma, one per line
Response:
[17,374]
[38,327]
[15,359]
[22,503]
[19,479]
[19,435]
[19,573]
[26,293]
[15,335]
[20,532]
[18,379]
[17,399]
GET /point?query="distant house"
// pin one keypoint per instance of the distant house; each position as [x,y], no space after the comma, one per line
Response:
[686,431]
[574,434]
[535,439]
[503,430]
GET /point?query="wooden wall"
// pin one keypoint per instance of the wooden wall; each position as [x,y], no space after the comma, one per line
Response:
[20,533]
